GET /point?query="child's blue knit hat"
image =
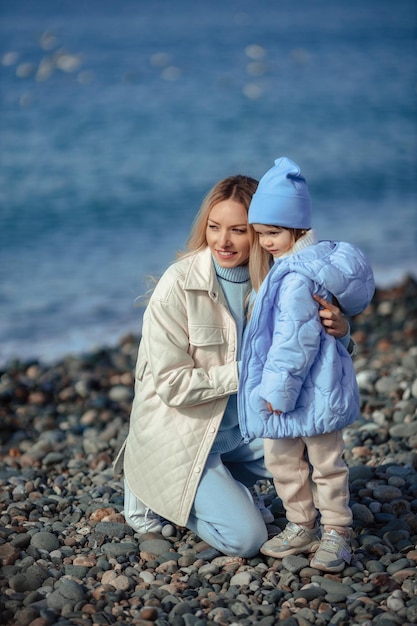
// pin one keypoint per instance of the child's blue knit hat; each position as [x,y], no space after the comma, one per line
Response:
[282,197]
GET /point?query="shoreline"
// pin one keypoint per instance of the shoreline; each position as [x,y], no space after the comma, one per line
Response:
[68,558]
[82,349]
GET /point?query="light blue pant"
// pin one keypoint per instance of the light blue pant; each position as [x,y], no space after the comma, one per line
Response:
[224,514]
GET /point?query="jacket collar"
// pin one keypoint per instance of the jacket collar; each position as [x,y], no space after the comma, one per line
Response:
[309,239]
[201,276]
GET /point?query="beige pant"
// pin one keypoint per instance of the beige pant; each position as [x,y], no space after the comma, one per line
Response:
[287,462]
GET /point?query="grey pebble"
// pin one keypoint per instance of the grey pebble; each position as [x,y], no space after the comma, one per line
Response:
[295,563]
[45,541]
[363,514]
[29,580]
[67,593]
[386,493]
[113,529]
[155,546]
[119,549]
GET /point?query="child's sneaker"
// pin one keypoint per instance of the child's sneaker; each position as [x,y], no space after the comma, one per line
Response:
[294,539]
[333,553]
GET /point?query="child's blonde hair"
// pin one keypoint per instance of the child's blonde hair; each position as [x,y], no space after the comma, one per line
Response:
[260,260]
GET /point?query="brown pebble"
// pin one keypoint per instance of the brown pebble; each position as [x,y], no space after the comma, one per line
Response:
[167,567]
[98,514]
[90,609]
[361,451]
[149,613]
[384,345]
[108,577]
[412,554]
[14,452]
[37,397]
[40,621]
[101,458]
[285,613]
[86,561]
[324,607]
[114,517]
[100,593]
[8,554]
[147,556]
[402,574]
[70,541]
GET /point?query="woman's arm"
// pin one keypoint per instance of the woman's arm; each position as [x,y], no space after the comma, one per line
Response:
[185,375]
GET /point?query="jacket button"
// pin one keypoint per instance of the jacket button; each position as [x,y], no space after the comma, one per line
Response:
[221,390]
[197,470]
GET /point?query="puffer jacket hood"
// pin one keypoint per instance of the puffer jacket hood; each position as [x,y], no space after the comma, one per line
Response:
[341,268]
[288,359]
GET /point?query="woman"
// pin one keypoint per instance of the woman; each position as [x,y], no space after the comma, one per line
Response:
[184,456]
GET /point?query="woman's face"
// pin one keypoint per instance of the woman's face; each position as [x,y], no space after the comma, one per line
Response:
[227,233]
[274,239]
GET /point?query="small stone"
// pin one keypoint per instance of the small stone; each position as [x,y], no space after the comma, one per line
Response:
[149,613]
[67,592]
[241,579]
[147,576]
[8,554]
[168,530]
[45,541]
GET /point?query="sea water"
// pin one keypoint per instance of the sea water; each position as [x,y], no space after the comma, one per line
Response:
[117,117]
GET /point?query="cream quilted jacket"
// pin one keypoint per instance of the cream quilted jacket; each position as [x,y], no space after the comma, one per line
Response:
[185,371]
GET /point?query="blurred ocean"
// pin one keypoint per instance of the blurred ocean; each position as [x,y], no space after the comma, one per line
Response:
[116,118]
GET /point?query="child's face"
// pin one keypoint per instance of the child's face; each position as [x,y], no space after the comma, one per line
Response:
[275,239]
[228,235]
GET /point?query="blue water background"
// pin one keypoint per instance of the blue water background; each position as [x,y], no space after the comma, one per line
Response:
[117,117]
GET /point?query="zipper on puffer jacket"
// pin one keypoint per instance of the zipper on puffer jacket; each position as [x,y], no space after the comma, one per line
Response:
[247,352]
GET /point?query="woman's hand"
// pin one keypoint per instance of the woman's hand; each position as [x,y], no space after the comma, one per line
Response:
[332,318]
[271,409]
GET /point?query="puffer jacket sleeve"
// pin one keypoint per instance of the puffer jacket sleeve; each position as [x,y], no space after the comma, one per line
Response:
[178,379]
[295,343]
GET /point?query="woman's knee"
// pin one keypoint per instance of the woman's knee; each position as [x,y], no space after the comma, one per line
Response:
[246,542]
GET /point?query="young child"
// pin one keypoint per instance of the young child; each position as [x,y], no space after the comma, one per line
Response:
[298,387]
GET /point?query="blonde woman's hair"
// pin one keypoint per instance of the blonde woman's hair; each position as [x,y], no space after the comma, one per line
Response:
[239,188]
[259,263]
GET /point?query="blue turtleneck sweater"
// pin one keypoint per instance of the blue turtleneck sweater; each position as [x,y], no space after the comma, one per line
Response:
[236,286]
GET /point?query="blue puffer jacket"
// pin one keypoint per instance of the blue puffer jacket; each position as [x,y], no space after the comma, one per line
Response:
[288,359]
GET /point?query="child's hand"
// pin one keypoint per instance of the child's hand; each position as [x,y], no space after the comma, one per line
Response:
[332,318]
[272,410]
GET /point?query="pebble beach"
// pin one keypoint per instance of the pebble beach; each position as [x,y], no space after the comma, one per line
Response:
[67,556]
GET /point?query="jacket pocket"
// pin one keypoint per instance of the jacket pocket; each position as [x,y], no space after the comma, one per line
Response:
[206,335]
